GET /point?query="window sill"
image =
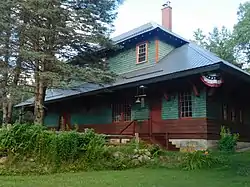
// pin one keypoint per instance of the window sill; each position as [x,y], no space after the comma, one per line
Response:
[186,118]
[126,121]
[137,63]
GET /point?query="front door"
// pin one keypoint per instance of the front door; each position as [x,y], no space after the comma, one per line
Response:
[155,113]
[155,110]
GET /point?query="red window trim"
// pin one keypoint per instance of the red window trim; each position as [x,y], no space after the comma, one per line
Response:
[180,112]
[137,52]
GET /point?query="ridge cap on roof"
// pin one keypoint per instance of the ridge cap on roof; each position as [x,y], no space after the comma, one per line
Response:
[139,30]
[149,25]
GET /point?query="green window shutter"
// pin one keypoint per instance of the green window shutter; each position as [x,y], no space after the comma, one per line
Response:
[199,105]
[94,116]
[170,108]
[140,113]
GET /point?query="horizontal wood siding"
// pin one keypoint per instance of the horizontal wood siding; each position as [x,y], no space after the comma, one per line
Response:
[111,128]
[101,115]
[246,116]
[215,125]
[164,49]
[235,99]
[140,113]
[125,61]
[214,109]
[170,108]
[176,129]
[182,128]
[199,105]
[51,120]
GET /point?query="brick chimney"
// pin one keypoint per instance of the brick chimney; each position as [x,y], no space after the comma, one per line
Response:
[167,16]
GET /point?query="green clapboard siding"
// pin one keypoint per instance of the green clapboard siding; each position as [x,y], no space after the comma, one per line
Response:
[199,105]
[164,49]
[51,120]
[170,108]
[140,113]
[125,61]
[94,116]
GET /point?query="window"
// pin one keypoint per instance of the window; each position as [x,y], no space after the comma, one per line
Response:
[186,104]
[233,115]
[141,53]
[121,112]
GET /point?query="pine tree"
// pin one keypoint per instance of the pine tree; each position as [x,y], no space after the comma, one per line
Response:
[53,33]
[10,67]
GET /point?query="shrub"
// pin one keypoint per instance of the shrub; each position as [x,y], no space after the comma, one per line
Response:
[127,156]
[33,142]
[198,160]
[228,141]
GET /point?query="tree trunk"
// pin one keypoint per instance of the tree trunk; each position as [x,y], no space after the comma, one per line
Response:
[5,113]
[39,102]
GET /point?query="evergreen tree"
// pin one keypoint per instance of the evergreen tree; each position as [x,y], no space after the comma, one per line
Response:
[10,68]
[220,42]
[242,32]
[51,33]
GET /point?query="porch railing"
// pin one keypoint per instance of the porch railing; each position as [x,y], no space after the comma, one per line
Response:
[123,130]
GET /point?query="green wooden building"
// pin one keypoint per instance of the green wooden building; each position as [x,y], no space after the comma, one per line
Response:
[168,90]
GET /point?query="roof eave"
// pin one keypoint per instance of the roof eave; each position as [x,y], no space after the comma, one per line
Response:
[233,71]
[138,83]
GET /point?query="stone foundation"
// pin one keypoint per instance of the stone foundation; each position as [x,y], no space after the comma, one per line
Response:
[201,144]
[242,145]
[193,144]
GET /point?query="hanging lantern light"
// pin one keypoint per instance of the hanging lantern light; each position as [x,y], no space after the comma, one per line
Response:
[141,95]
[138,101]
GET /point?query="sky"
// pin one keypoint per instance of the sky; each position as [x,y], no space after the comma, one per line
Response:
[188,15]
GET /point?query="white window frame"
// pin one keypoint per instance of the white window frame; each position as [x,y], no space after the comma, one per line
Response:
[138,53]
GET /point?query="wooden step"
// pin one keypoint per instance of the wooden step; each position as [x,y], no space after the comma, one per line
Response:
[160,139]
[118,139]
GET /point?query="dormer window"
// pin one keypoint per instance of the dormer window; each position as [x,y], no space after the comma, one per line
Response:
[142,50]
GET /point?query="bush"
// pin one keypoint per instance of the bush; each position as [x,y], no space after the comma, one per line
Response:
[32,143]
[127,156]
[198,160]
[228,141]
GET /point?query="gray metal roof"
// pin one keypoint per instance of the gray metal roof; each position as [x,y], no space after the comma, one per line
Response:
[184,59]
[143,29]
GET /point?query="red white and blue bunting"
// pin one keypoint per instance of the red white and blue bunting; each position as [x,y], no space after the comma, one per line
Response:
[212,79]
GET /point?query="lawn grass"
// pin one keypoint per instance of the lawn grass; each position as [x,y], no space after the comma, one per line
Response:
[235,174]
[131,178]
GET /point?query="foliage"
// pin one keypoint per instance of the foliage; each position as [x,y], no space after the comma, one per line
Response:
[130,155]
[242,31]
[32,143]
[220,42]
[39,40]
[198,160]
[228,141]
[43,151]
